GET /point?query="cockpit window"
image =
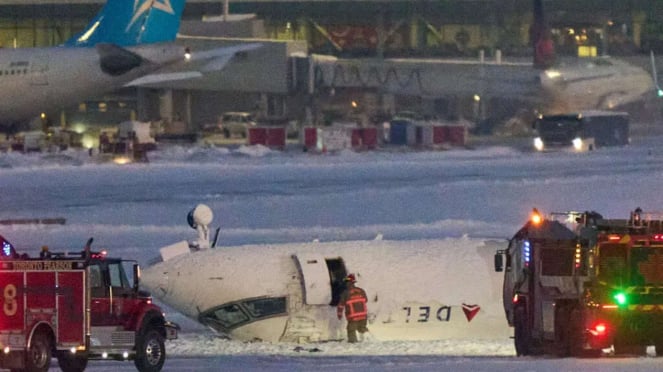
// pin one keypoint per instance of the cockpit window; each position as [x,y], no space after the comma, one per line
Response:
[231,315]
[228,316]
[266,307]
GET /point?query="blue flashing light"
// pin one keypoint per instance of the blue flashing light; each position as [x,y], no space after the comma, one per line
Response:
[6,249]
[526,252]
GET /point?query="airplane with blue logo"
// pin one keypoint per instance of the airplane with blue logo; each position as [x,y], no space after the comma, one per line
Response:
[132,22]
[126,41]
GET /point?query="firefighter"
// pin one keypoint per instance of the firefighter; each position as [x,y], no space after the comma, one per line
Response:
[353,303]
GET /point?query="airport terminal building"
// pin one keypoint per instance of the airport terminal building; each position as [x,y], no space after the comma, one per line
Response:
[384,54]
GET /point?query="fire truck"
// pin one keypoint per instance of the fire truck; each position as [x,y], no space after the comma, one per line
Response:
[76,307]
[576,284]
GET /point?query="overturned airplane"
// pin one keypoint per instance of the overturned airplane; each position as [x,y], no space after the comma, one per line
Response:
[417,290]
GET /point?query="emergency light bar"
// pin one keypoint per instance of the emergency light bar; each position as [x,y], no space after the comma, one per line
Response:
[657,237]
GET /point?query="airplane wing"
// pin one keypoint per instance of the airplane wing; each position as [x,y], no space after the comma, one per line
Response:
[208,60]
[164,78]
[216,59]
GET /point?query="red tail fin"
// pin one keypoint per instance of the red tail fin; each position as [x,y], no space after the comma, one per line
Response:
[541,38]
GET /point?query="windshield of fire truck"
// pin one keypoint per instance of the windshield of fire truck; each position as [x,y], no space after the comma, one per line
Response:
[118,277]
[635,266]
[611,265]
[646,266]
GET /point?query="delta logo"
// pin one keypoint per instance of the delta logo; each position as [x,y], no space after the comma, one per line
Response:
[470,311]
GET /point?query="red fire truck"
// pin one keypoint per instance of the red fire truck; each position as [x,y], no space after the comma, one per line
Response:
[579,284]
[76,307]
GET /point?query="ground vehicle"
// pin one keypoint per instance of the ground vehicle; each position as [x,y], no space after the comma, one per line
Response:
[582,131]
[235,123]
[76,307]
[580,290]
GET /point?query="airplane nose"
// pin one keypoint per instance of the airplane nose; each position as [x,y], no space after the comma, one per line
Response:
[155,280]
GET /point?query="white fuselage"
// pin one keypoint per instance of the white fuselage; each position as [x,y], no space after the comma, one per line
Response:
[36,80]
[574,84]
[419,290]
[598,83]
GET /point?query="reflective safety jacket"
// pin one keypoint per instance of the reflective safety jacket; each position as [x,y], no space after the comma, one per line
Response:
[353,302]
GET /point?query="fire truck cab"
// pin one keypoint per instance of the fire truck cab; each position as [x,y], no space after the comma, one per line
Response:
[76,307]
[578,284]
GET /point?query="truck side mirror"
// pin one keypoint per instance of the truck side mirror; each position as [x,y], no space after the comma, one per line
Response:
[499,262]
[136,268]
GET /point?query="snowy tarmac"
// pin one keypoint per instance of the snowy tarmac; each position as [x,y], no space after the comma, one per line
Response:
[262,196]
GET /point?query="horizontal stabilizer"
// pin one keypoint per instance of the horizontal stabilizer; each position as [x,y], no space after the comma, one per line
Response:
[164,78]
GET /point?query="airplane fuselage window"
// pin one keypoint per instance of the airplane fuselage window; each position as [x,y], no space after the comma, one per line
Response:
[14,72]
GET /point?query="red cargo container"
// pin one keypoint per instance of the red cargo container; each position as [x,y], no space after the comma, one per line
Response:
[275,137]
[370,137]
[457,135]
[272,137]
[310,138]
[257,136]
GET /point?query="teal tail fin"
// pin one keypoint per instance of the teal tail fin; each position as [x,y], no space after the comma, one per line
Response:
[132,22]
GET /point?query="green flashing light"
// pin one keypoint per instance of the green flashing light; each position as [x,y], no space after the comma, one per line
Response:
[659,92]
[620,298]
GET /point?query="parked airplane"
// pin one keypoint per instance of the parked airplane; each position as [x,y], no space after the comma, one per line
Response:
[421,290]
[548,82]
[132,22]
[109,54]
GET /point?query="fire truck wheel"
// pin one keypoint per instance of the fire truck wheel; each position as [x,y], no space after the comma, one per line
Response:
[150,351]
[521,331]
[576,335]
[38,357]
[623,347]
[659,349]
[71,363]
[563,331]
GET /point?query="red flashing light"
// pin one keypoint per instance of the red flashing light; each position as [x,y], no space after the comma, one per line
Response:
[657,237]
[600,328]
[100,255]
[515,298]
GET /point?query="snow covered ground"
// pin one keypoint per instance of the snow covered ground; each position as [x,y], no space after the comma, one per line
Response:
[263,196]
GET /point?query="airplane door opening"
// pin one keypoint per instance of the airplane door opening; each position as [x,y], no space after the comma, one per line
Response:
[321,278]
[38,69]
[337,273]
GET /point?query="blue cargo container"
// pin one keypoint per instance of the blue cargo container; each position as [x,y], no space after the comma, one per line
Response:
[398,132]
